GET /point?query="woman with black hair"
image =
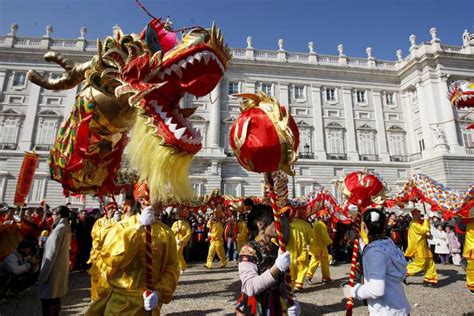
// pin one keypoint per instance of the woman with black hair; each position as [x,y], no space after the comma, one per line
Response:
[262,268]
[384,267]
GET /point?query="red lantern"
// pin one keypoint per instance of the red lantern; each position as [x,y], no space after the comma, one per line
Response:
[264,137]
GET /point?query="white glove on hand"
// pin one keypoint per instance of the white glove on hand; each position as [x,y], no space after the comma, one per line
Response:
[150,300]
[117,216]
[294,310]
[147,217]
[283,260]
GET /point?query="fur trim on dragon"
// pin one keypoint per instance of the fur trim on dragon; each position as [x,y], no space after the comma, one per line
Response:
[130,98]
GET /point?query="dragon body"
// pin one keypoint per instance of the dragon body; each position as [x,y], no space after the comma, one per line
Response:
[130,98]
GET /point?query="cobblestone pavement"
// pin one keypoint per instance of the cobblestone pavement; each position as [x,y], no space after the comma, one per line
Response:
[213,292]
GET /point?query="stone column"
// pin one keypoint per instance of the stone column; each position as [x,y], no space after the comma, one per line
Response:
[28,131]
[425,119]
[350,126]
[3,75]
[412,145]
[318,134]
[448,117]
[380,125]
[215,117]
[283,95]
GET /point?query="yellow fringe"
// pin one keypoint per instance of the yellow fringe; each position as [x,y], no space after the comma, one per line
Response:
[166,172]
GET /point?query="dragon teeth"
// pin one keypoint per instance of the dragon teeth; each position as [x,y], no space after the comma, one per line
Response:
[190,59]
[179,132]
[183,63]
[172,127]
[198,56]
[177,70]
[169,121]
[207,56]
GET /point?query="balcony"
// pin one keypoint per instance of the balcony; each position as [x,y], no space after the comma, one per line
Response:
[306,155]
[398,158]
[369,157]
[470,150]
[11,146]
[43,147]
[336,156]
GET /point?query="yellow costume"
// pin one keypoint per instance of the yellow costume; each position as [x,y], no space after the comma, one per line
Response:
[122,264]
[217,244]
[99,231]
[243,235]
[319,251]
[469,254]
[302,263]
[182,234]
[418,249]
[294,247]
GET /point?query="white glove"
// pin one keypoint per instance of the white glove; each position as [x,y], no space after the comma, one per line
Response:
[147,217]
[346,290]
[294,310]
[118,216]
[150,300]
[283,260]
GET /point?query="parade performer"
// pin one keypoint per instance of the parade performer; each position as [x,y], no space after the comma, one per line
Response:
[418,249]
[261,269]
[216,239]
[300,224]
[319,249]
[135,83]
[243,235]
[231,231]
[182,234]
[469,254]
[384,268]
[99,231]
[294,244]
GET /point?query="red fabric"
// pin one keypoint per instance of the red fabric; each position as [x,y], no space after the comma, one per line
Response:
[362,187]
[231,225]
[261,150]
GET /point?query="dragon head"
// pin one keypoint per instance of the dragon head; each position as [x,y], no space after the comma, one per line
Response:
[461,94]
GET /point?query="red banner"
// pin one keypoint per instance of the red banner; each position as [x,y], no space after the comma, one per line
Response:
[25,177]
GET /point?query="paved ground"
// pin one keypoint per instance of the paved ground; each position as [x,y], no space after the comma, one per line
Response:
[203,292]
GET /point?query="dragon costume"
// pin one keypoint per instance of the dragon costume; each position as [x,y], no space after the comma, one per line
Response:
[131,91]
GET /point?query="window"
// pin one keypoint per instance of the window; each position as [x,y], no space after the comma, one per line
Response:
[266,88]
[338,172]
[299,93]
[233,87]
[52,101]
[396,143]
[331,95]
[19,79]
[421,141]
[402,173]
[335,140]
[197,188]
[333,113]
[16,99]
[305,189]
[360,96]
[304,171]
[367,142]
[9,132]
[36,191]
[468,138]
[232,188]
[389,98]
[47,132]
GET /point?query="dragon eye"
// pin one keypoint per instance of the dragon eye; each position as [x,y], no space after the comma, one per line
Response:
[196,36]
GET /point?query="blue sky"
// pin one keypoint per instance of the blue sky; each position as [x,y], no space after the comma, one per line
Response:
[385,25]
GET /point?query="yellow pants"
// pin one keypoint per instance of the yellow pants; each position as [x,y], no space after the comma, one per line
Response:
[314,264]
[181,262]
[302,268]
[423,264]
[216,247]
[470,274]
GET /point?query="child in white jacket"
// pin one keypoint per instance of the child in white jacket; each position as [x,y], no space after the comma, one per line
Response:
[384,268]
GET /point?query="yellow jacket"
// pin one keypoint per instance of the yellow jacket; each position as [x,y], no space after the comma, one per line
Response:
[215,233]
[181,231]
[295,245]
[469,241]
[417,243]
[243,235]
[122,261]
[321,241]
